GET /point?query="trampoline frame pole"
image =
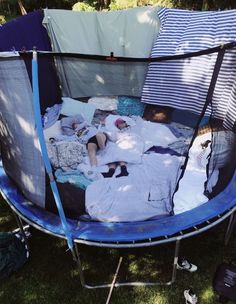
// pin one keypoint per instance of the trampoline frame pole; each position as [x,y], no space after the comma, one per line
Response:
[21,228]
[117,284]
[46,160]
[230,227]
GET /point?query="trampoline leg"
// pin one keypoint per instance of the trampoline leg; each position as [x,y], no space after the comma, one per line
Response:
[76,257]
[231,224]
[82,278]
[21,228]
[176,256]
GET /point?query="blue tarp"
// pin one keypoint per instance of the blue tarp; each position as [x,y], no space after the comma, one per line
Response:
[25,33]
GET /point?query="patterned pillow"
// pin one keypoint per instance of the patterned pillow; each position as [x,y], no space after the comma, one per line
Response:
[130,106]
[65,155]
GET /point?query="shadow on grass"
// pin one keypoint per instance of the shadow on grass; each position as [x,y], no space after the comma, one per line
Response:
[51,276]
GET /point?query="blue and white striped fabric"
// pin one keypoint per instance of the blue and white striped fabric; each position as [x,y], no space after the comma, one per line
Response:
[184,83]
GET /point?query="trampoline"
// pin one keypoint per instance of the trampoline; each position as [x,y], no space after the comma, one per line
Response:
[124,234]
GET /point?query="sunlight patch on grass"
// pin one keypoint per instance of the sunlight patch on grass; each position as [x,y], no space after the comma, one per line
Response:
[159,299]
[74,273]
[146,295]
[60,244]
[30,297]
[133,267]
[207,295]
[5,219]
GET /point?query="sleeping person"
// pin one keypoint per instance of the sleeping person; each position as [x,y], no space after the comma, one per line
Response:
[121,125]
[86,134]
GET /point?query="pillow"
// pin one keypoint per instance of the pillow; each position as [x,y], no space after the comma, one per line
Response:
[53,131]
[156,113]
[71,107]
[130,106]
[100,116]
[104,103]
[65,155]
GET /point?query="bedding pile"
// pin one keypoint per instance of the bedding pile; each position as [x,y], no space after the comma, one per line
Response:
[154,154]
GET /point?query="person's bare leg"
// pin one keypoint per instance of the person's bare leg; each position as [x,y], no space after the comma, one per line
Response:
[112,165]
[92,150]
[101,139]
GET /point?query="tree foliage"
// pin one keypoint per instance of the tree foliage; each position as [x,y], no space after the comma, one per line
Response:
[11,7]
[205,4]
[82,6]
[2,19]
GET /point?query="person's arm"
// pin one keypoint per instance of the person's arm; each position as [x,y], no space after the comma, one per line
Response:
[112,136]
[68,122]
[81,126]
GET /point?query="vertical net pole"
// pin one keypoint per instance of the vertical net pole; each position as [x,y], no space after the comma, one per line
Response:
[218,63]
[45,157]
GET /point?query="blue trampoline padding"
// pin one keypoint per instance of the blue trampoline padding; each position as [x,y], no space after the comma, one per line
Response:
[119,232]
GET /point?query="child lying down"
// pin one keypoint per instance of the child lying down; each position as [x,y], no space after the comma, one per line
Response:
[86,134]
[122,140]
[94,140]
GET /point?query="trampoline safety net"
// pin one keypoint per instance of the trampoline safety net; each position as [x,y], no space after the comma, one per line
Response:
[177,143]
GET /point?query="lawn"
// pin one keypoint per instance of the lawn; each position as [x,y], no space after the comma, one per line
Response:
[50,276]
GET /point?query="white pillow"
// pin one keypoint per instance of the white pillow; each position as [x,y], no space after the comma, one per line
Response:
[53,131]
[71,107]
[104,103]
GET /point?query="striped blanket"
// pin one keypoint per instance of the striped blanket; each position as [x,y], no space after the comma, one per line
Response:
[184,83]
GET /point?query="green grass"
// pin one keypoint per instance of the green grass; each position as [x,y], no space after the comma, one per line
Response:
[50,276]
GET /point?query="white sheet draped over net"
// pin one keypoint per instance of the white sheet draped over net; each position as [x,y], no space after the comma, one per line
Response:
[184,83]
[128,33]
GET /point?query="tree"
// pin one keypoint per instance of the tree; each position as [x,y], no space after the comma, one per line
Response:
[82,6]
[12,8]
[22,9]
[204,4]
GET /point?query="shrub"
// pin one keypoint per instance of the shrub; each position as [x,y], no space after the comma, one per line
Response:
[2,19]
[82,6]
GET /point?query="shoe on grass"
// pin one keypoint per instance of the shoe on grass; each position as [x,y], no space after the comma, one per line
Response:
[183,264]
[190,297]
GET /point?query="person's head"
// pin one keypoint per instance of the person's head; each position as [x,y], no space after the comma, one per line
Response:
[121,123]
[75,126]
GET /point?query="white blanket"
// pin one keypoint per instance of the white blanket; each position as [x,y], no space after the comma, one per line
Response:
[130,144]
[145,193]
[151,133]
[129,148]
[190,193]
